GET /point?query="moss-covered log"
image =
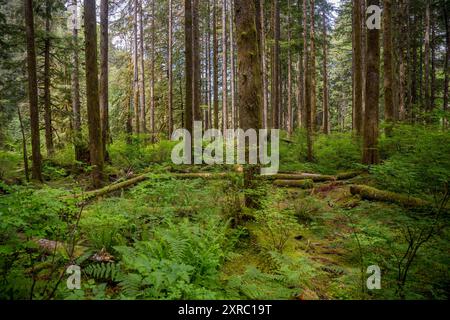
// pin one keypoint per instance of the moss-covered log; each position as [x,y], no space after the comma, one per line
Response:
[302,176]
[370,193]
[303,184]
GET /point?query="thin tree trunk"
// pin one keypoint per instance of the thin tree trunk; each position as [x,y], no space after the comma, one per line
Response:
[426,88]
[24,146]
[326,121]
[357,69]
[104,109]
[215,68]
[289,122]
[370,149]
[388,67]
[152,77]
[208,66]
[33,92]
[313,68]
[92,98]
[232,57]
[433,68]
[196,91]
[307,87]
[446,66]
[77,135]
[276,94]
[224,67]
[136,69]
[264,64]
[47,102]
[169,104]
[188,106]
[142,102]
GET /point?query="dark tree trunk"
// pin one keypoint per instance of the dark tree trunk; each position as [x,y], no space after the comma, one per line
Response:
[104,109]
[388,67]
[370,151]
[276,94]
[224,67]
[188,106]
[170,98]
[33,92]
[47,98]
[326,121]
[357,69]
[92,98]
[142,101]
[215,68]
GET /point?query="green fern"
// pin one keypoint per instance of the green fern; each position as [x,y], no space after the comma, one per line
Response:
[103,271]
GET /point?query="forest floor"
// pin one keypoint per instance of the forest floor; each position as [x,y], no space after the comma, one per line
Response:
[173,235]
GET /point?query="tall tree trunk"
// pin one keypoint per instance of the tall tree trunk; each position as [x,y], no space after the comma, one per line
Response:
[36,172]
[313,68]
[189,59]
[301,115]
[232,57]
[370,149]
[215,68]
[224,67]
[388,67]
[142,102]
[250,82]
[446,66]
[169,104]
[307,86]
[433,67]
[196,91]
[208,67]
[136,69]
[426,88]
[403,48]
[276,94]
[358,69]
[152,77]
[47,102]
[264,64]
[290,119]
[104,109]
[77,135]
[326,121]
[92,98]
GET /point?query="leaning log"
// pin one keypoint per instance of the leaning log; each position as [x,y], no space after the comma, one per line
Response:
[302,184]
[370,193]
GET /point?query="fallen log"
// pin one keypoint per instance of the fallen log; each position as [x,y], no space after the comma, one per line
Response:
[348,175]
[302,184]
[303,176]
[370,193]
[202,175]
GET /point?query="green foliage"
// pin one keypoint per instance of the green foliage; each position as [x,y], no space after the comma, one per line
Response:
[9,162]
[103,271]
[181,261]
[418,163]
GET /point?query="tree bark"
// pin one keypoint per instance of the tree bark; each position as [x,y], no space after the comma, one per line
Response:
[313,67]
[426,87]
[77,135]
[189,59]
[388,67]
[215,68]
[152,78]
[47,102]
[250,82]
[326,121]
[276,94]
[289,122]
[307,86]
[136,69]
[170,98]
[36,172]
[92,98]
[232,67]
[370,148]
[357,69]
[446,66]
[24,146]
[224,67]
[196,91]
[142,102]
[104,109]
[264,65]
